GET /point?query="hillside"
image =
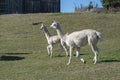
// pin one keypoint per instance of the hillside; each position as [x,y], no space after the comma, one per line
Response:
[23,54]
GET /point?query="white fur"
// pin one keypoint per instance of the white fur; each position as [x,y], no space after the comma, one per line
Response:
[51,40]
[78,39]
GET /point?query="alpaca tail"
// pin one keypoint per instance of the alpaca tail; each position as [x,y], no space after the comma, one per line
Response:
[94,37]
[100,36]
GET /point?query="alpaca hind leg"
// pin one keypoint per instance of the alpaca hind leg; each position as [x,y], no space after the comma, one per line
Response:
[79,56]
[95,50]
[71,53]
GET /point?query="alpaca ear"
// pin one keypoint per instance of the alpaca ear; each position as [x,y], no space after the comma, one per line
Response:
[41,24]
[53,21]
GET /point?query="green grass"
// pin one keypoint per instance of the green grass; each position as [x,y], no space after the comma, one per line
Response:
[23,54]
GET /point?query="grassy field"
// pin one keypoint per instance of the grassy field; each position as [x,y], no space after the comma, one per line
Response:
[23,54]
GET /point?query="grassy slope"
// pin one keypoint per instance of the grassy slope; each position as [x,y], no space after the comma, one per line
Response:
[23,48]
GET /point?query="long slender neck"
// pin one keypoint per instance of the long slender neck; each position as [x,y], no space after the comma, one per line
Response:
[59,32]
[46,32]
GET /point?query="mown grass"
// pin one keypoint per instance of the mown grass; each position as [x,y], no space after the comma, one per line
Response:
[23,54]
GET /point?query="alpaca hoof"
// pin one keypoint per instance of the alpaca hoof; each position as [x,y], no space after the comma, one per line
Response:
[67,55]
[94,63]
[59,55]
[68,63]
[51,56]
[84,62]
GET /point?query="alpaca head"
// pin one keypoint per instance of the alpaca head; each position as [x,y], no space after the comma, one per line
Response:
[54,25]
[42,26]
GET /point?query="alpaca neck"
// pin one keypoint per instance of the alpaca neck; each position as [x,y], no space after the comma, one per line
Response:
[46,32]
[59,32]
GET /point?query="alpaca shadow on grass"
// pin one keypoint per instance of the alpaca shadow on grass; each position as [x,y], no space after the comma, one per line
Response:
[12,56]
[67,56]
[23,53]
[112,60]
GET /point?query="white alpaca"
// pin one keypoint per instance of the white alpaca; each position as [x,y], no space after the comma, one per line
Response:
[78,39]
[51,40]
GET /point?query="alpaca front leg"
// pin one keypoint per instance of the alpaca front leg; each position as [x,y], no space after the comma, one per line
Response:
[61,50]
[66,50]
[71,53]
[65,47]
[48,49]
[51,49]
